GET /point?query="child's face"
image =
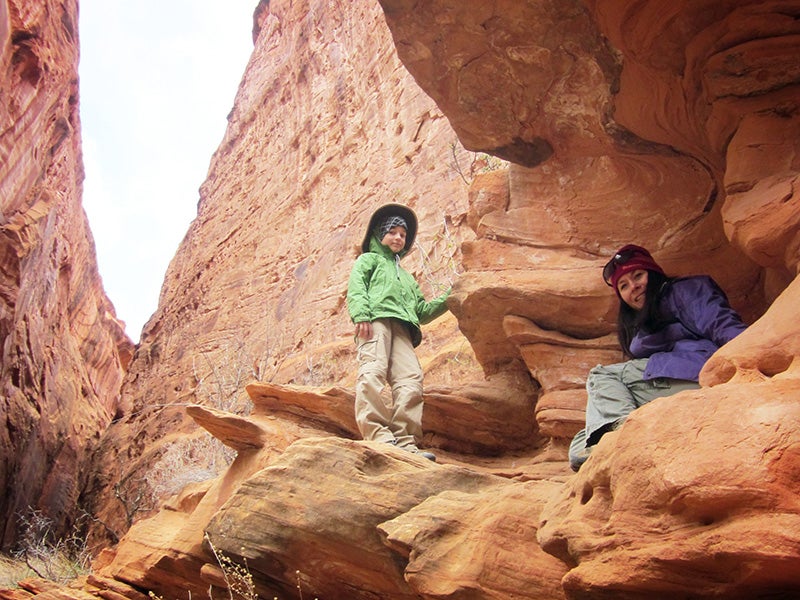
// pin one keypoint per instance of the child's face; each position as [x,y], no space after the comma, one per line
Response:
[395,239]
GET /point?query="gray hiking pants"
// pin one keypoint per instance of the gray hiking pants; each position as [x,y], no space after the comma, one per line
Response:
[614,392]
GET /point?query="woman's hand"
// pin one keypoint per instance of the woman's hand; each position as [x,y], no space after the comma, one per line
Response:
[364,330]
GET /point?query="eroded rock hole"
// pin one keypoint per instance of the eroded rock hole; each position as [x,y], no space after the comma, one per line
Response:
[588,492]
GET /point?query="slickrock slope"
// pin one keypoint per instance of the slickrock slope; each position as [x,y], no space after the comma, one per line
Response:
[63,350]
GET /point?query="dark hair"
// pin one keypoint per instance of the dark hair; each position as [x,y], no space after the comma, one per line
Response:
[649,318]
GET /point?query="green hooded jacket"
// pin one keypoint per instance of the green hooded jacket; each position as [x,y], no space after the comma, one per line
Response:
[379,288]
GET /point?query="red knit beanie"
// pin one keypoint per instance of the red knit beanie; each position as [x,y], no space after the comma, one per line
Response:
[628,258]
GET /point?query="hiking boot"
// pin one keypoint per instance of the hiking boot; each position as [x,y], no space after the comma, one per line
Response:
[618,423]
[429,455]
[577,459]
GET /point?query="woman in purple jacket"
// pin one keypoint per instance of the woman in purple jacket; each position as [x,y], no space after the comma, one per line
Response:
[668,328]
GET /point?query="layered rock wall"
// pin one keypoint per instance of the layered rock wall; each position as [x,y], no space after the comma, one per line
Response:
[657,127]
[63,350]
[608,114]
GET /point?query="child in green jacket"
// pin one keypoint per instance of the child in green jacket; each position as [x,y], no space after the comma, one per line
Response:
[387,307]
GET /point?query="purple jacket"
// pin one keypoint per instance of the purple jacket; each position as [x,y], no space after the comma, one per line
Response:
[704,321]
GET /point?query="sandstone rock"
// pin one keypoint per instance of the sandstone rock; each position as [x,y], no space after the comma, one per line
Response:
[328,410]
[167,552]
[596,166]
[550,82]
[361,489]
[669,126]
[600,168]
[768,348]
[484,418]
[279,446]
[483,544]
[63,349]
[29,588]
[694,497]
[489,417]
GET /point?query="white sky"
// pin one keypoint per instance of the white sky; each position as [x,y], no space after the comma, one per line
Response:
[157,81]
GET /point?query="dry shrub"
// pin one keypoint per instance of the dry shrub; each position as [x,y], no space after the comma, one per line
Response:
[189,460]
[39,554]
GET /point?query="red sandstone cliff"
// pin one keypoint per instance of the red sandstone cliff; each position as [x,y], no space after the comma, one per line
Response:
[63,351]
[622,123]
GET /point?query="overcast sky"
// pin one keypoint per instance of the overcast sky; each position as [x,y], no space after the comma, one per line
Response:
[157,80]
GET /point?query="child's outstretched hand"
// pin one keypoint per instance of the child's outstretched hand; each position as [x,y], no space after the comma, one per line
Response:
[364,330]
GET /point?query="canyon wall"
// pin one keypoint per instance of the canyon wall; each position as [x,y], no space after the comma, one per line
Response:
[63,350]
[327,126]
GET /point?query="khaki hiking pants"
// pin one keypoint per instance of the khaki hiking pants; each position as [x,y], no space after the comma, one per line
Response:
[389,357]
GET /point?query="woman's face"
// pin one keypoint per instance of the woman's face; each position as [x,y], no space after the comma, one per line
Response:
[632,288]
